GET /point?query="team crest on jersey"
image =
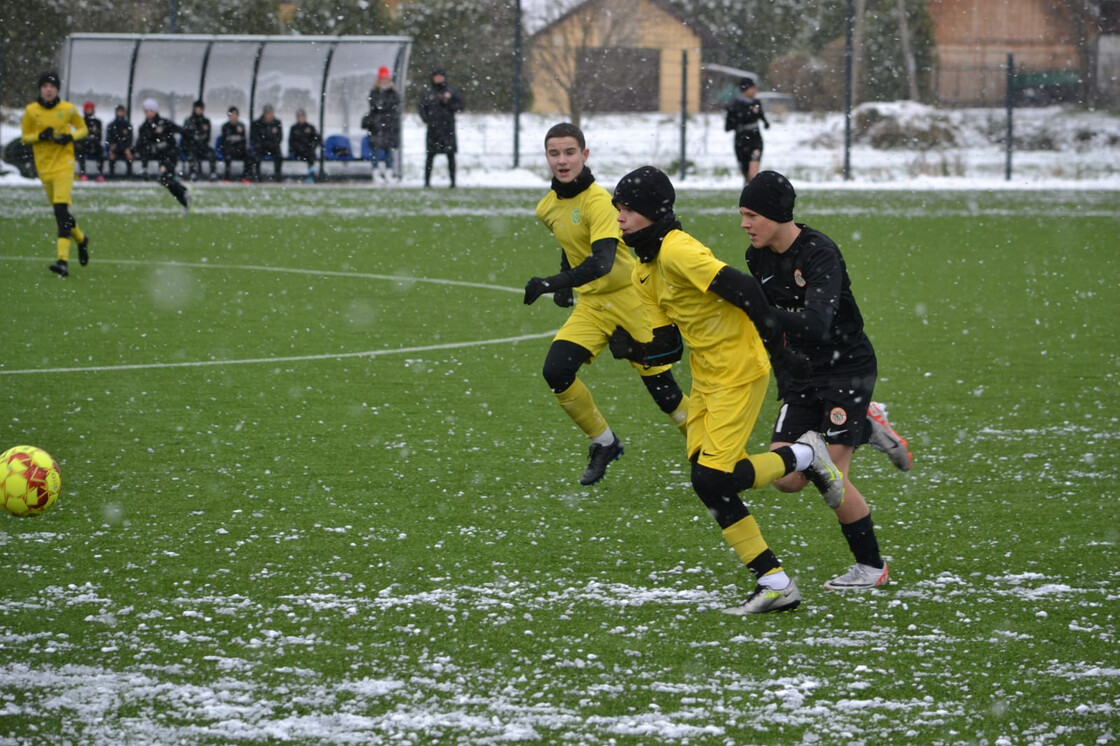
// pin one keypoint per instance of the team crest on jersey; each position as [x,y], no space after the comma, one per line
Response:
[575,216]
[798,279]
[837,416]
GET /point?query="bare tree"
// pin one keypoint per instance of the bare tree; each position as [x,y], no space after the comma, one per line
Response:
[569,43]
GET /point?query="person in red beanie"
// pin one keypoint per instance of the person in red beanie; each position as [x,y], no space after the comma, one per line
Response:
[91,147]
[383,123]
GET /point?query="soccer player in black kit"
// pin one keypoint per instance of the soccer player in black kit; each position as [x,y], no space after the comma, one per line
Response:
[803,276]
[119,137]
[266,135]
[235,146]
[743,115]
[196,142]
[157,138]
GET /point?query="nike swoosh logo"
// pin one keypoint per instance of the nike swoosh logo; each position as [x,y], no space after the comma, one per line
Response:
[642,280]
[766,279]
[834,433]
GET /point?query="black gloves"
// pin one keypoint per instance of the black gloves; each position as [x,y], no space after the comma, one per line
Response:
[64,139]
[623,346]
[534,289]
[796,364]
[47,134]
[564,298]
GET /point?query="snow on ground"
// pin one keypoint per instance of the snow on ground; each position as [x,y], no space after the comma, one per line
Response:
[1060,149]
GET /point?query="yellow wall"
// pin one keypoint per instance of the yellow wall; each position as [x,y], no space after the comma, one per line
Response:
[615,23]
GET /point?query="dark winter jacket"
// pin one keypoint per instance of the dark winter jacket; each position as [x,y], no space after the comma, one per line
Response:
[266,136]
[119,134]
[438,108]
[91,146]
[234,144]
[303,139]
[157,139]
[383,122]
[196,134]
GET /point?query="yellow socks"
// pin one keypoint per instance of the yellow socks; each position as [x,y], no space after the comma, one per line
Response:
[746,539]
[579,405]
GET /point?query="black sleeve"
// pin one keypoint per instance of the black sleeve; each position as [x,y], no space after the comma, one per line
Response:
[743,291]
[592,268]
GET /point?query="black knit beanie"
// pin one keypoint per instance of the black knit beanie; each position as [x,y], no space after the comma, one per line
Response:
[49,76]
[770,195]
[647,191]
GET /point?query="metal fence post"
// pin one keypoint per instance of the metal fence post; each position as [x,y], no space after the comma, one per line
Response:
[684,110]
[1010,109]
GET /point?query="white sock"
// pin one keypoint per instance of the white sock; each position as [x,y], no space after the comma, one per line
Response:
[804,456]
[778,581]
[605,439]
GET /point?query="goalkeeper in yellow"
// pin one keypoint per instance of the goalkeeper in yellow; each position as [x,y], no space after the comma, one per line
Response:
[594,261]
[729,328]
[50,127]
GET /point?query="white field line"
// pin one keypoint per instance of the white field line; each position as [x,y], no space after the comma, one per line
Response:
[292,358]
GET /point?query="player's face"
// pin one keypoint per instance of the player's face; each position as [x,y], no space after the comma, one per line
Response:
[150,115]
[565,159]
[760,229]
[630,221]
[48,91]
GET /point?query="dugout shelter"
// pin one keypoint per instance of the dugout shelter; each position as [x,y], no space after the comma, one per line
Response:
[328,76]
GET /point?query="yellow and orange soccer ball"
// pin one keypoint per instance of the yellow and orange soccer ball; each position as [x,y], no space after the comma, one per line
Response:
[29,481]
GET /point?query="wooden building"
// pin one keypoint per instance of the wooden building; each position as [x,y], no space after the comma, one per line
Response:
[974,37]
[617,56]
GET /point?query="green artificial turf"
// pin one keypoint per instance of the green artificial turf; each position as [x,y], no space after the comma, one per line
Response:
[315,489]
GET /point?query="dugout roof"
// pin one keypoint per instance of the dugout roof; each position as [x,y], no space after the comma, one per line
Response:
[328,76]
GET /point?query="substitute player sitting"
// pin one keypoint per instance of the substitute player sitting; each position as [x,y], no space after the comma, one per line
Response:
[594,260]
[50,127]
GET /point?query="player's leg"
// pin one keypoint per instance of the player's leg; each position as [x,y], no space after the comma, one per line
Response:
[451,167]
[714,460]
[667,394]
[754,156]
[561,364]
[169,182]
[428,158]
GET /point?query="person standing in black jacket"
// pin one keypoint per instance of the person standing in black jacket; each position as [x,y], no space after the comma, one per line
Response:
[235,146]
[438,108]
[119,138]
[91,146]
[303,141]
[157,141]
[383,123]
[196,142]
[265,136]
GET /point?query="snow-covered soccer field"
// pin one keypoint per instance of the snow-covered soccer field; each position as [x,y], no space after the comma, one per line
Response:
[316,491]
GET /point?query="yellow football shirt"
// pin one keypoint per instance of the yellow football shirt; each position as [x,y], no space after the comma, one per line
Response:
[724,347]
[52,159]
[579,222]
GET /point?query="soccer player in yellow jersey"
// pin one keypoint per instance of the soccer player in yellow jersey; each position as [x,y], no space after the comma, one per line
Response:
[729,328]
[50,127]
[595,262]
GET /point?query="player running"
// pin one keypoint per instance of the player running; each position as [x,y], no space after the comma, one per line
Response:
[579,213]
[50,126]
[804,278]
[726,322]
